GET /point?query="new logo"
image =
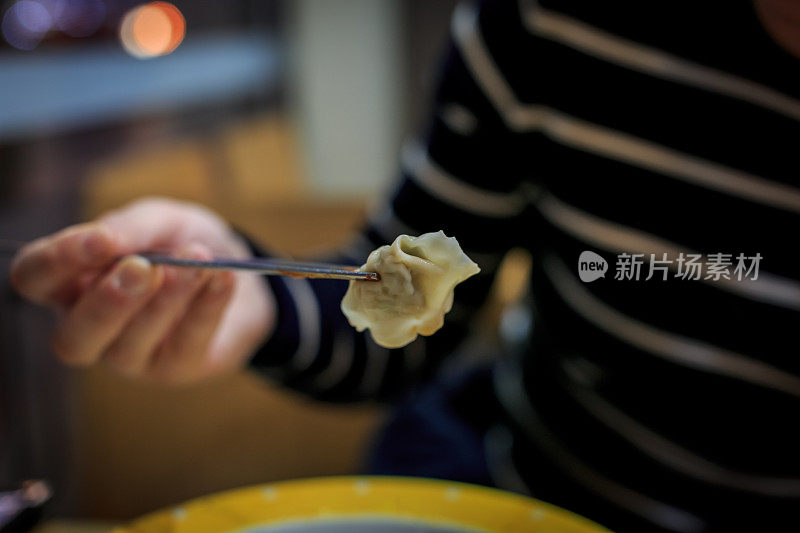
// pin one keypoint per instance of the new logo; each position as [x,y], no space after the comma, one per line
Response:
[591,266]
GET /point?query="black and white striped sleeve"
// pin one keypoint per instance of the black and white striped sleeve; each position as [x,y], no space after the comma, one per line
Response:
[462,178]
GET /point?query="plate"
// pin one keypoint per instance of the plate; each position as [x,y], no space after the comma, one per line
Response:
[363,505]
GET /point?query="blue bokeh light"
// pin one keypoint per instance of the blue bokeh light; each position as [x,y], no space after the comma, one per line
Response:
[25,24]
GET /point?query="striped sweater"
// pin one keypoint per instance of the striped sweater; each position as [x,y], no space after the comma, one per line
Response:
[618,127]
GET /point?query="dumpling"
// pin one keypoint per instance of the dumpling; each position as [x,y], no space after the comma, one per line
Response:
[418,275]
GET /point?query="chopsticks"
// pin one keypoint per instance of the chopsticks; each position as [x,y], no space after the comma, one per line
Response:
[270,267]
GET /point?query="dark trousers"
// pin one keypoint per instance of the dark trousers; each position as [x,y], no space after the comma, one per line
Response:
[438,432]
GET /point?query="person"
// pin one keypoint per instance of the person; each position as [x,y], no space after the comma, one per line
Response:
[560,126]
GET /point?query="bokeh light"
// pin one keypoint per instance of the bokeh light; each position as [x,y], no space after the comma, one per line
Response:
[25,23]
[78,18]
[151,30]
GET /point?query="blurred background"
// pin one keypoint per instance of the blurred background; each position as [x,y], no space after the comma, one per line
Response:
[286,116]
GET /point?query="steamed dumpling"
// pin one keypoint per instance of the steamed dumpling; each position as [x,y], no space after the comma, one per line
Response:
[418,275]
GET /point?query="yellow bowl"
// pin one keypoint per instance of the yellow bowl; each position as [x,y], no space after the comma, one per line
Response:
[394,505]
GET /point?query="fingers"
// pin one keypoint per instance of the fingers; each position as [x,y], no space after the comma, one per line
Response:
[160,223]
[182,356]
[50,269]
[104,310]
[132,351]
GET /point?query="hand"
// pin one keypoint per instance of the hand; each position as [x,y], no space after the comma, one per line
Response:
[165,324]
